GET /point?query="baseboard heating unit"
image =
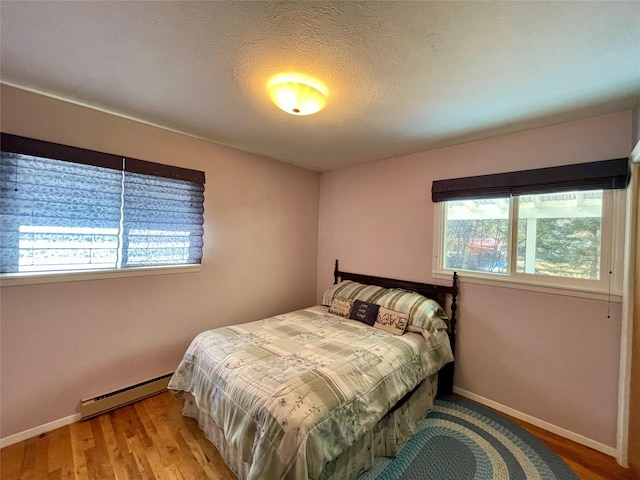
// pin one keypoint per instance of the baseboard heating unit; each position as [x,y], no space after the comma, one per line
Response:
[90,407]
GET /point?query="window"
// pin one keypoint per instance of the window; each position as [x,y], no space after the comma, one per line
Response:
[476,235]
[69,209]
[560,234]
[554,226]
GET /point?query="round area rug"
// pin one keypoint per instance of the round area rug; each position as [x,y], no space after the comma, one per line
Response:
[463,440]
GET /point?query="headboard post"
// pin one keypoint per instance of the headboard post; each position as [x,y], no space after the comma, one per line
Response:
[336,273]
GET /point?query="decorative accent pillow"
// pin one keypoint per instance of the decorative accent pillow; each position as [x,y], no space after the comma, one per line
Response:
[390,321]
[341,306]
[353,290]
[364,312]
[425,315]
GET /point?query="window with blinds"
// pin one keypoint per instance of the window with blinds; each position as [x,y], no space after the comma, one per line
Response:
[70,209]
[557,226]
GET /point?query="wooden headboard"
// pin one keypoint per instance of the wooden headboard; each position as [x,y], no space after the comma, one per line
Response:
[439,293]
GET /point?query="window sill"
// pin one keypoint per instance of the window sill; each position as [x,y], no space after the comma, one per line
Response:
[16,279]
[521,284]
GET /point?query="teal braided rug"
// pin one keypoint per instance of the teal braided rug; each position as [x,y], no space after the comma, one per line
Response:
[463,440]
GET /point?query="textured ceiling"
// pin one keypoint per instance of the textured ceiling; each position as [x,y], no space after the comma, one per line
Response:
[402,77]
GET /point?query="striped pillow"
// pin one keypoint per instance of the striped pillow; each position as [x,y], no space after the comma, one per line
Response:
[354,291]
[425,315]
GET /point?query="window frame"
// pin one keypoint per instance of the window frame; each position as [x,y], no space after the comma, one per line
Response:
[65,153]
[28,278]
[608,287]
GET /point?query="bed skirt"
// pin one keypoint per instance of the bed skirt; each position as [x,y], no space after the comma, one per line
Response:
[384,440]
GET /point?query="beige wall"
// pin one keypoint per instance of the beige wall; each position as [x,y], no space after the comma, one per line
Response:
[61,342]
[553,357]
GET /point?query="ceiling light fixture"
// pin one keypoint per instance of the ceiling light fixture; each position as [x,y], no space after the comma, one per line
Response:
[297,97]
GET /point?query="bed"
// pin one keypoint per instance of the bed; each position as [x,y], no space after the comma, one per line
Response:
[319,393]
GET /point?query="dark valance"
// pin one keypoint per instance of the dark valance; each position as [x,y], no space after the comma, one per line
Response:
[603,175]
[40,148]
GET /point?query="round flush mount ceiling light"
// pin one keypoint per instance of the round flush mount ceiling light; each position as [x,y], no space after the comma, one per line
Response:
[297,96]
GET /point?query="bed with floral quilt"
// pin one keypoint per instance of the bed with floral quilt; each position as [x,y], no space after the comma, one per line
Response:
[319,393]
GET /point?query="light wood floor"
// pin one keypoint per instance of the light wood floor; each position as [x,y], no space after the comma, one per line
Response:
[152,440]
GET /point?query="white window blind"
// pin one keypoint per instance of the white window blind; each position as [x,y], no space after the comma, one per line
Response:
[162,221]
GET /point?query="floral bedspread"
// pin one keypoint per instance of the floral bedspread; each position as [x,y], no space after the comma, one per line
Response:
[293,391]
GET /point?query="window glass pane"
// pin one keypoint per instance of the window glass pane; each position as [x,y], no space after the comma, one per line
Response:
[560,234]
[476,235]
[163,221]
[57,216]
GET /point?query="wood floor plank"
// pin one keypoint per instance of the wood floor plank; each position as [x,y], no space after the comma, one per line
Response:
[98,462]
[113,449]
[11,460]
[161,435]
[215,468]
[174,473]
[127,423]
[139,454]
[151,440]
[55,475]
[583,472]
[216,463]
[81,441]
[160,469]
[167,432]
[60,454]
[34,465]
[131,467]
[194,447]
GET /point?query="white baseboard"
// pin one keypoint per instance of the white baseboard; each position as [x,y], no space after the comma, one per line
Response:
[601,447]
[34,432]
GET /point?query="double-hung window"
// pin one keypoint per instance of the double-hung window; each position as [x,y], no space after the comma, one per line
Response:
[68,209]
[558,226]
